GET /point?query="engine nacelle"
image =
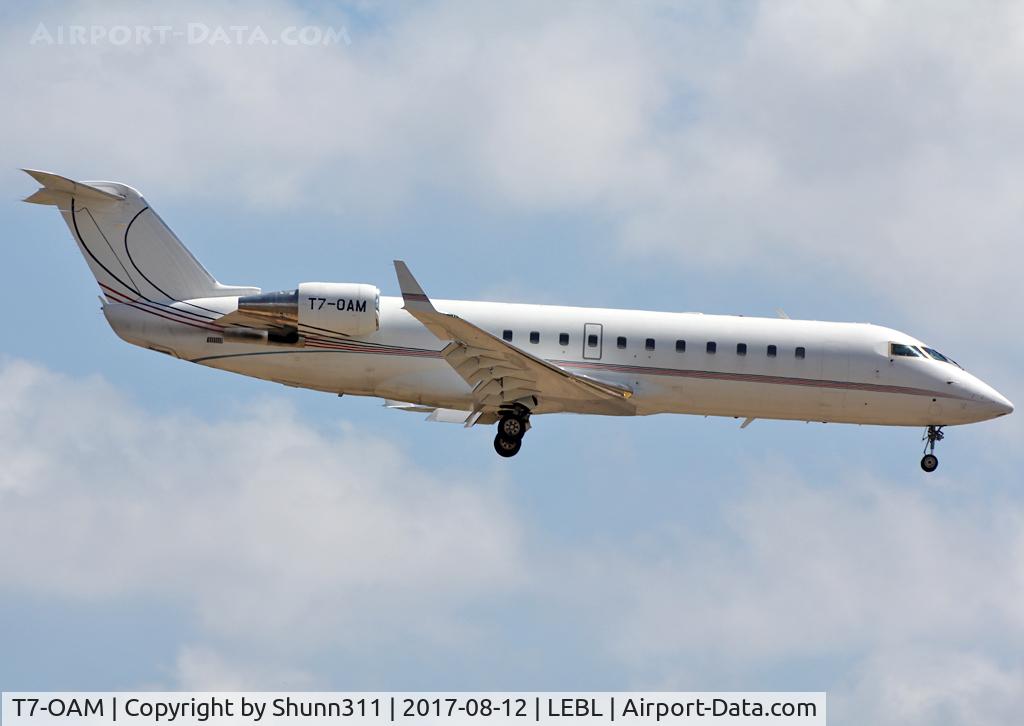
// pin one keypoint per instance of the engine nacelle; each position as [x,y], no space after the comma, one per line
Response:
[339,307]
[344,308]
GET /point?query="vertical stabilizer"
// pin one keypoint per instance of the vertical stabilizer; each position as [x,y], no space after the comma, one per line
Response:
[130,251]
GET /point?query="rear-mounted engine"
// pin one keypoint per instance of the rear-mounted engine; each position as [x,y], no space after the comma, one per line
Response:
[341,308]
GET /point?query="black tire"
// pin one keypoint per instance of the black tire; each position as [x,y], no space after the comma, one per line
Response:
[512,427]
[507,447]
[929,462]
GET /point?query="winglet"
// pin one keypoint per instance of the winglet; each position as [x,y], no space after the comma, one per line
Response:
[412,293]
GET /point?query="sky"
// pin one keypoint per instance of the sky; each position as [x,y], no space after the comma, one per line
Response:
[169,526]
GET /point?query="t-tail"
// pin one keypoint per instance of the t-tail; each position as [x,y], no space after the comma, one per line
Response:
[132,254]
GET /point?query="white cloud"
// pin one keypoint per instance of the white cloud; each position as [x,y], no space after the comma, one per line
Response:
[256,521]
[933,686]
[286,542]
[811,570]
[200,668]
[880,137]
[874,136]
[875,144]
[869,146]
[909,595]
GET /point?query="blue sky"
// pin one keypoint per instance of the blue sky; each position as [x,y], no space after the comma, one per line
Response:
[170,526]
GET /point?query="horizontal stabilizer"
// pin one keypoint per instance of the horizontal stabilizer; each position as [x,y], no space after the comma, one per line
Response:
[54,186]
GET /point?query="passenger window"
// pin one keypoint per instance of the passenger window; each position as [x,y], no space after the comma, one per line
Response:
[649,344]
[563,339]
[772,351]
[801,353]
[534,337]
[506,335]
[620,342]
[741,349]
[591,341]
[903,350]
[712,347]
[680,346]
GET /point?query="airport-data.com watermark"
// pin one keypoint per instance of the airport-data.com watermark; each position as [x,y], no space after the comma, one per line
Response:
[189,34]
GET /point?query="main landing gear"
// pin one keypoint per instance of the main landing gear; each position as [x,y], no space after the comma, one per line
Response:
[512,426]
[930,462]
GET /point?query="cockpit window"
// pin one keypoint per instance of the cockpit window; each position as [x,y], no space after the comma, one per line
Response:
[938,356]
[907,351]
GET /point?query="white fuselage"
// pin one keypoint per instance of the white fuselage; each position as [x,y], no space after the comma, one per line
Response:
[844,375]
[481,363]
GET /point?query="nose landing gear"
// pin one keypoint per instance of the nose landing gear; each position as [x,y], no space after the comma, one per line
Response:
[930,462]
[512,426]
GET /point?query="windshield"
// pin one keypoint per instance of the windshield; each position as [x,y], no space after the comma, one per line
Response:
[908,351]
[938,356]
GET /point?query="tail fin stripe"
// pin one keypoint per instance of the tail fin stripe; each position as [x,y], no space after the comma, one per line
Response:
[81,241]
[142,306]
[172,274]
[111,248]
[159,307]
[130,259]
[128,251]
[143,300]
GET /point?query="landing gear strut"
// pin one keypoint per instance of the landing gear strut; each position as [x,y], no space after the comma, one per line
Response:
[930,462]
[512,426]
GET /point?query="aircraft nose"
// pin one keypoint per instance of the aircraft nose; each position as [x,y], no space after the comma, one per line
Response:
[994,402]
[985,402]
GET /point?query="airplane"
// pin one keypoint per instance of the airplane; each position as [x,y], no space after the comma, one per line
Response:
[487,363]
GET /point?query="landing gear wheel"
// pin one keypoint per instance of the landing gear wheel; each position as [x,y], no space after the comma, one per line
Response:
[932,436]
[512,427]
[506,446]
[513,424]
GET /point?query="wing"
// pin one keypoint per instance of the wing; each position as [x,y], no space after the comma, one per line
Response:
[503,375]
